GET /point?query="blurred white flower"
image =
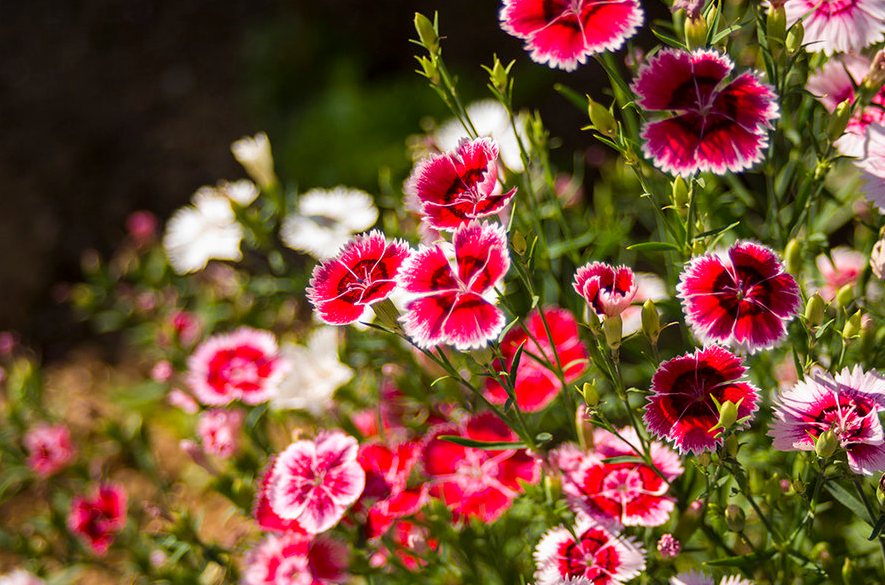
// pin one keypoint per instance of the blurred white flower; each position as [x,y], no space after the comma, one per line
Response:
[255,156]
[242,192]
[316,373]
[20,577]
[203,231]
[325,220]
[490,119]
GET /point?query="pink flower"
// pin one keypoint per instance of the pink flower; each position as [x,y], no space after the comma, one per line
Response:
[295,559]
[668,546]
[219,431]
[243,365]
[719,126]
[412,543]
[681,407]
[185,326]
[315,482]
[181,399]
[741,297]
[845,268]
[20,577]
[838,26]
[848,404]
[607,290]
[454,188]
[597,557]
[872,165]
[537,383]
[49,449]
[387,473]
[142,227]
[98,518]
[474,482]
[563,33]
[450,304]
[162,371]
[262,511]
[698,578]
[363,273]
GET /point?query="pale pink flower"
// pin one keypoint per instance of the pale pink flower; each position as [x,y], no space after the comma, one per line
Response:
[295,558]
[20,577]
[219,431]
[877,259]
[668,546]
[49,449]
[838,26]
[181,399]
[142,227]
[698,578]
[845,268]
[162,371]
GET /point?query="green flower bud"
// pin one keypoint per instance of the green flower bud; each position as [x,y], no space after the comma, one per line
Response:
[498,75]
[483,356]
[651,323]
[705,459]
[872,85]
[826,444]
[793,257]
[427,33]
[814,310]
[591,394]
[839,120]
[795,36]
[681,196]
[735,518]
[518,243]
[601,118]
[387,314]
[695,32]
[429,70]
[844,296]
[798,486]
[777,25]
[880,491]
[849,575]
[852,326]
[592,320]
[732,445]
[613,328]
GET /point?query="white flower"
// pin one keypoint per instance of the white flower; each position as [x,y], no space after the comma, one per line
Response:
[325,220]
[316,373]
[242,192]
[20,577]
[200,232]
[490,119]
[255,156]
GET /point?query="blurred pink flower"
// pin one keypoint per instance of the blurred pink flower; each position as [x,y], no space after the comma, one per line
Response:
[49,449]
[295,559]
[219,431]
[162,371]
[98,518]
[845,268]
[142,227]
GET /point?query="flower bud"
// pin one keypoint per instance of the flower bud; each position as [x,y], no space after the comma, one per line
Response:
[876,76]
[613,328]
[601,118]
[704,459]
[253,153]
[844,296]
[695,32]
[826,444]
[483,356]
[814,310]
[518,243]
[880,491]
[798,486]
[651,323]
[776,25]
[681,196]
[591,395]
[429,70]
[668,546]
[427,33]
[849,575]
[793,257]
[839,120]
[735,518]
[877,259]
[498,75]
[852,326]
[732,445]
[795,36]
[592,320]
[728,414]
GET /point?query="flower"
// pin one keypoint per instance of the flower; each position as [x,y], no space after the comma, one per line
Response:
[324,220]
[315,375]
[242,192]
[363,273]
[295,559]
[97,518]
[877,259]
[699,578]
[648,287]
[141,226]
[315,482]
[262,511]
[49,449]
[20,577]
[597,557]
[449,304]
[181,399]
[537,383]
[474,482]
[219,431]
[668,546]
[718,126]
[847,403]
[681,407]
[563,34]
[607,290]
[162,371]
[203,231]
[740,297]
[454,188]
[255,156]
[838,26]
[242,365]
[387,473]
[490,119]
[845,268]
[872,165]
[412,542]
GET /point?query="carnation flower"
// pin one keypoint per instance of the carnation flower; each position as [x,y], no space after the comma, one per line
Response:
[243,365]
[719,126]
[597,557]
[255,156]
[315,482]
[872,165]
[681,408]
[98,518]
[219,431]
[845,267]
[668,546]
[262,511]
[564,34]
[454,188]
[295,559]
[20,577]
[201,232]
[387,474]
[699,578]
[49,449]
[412,541]
[363,273]
[847,404]
[474,482]
[740,297]
[141,227]
[491,120]
[537,383]
[607,290]
[324,220]
[838,26]
[450,304]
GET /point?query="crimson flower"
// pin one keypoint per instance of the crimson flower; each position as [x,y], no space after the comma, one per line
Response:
[387,473]
[96,519]
[262,511]
[49,449]
[607,290]
[295,559]
[718,126]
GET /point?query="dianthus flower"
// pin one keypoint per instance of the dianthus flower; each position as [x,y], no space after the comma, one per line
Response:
[242,365]
[681,407]
[606,289]
[474,482]
[98,518]
[450,304]
[668,546]
[719,126]
[563,33]
[206,230]
[536,383]
[387,473]
[698,578]
[295,559]
[20,577]
[363,273]
[263,513]
[219,431]
[847,404]
[741,297]
[838,26]
[845,268]
[315,482]
[598,556]
[872,165]
[49,449]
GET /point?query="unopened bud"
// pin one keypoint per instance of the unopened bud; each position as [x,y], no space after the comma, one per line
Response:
[429,70]
[848,573]
[613,328]
[704,459]
[880,491]
[826,444]
[695,32]
[844,296]
[427,33]
[793,257]
[839,120]
[518,243]
[776,25]
[681,196]
[498,75]
[735,518]
[668,546]
[601,118]
[852,326]
[651,323]
[728,413]
[876,77]
[814,310]
[593,320]
[387,314]
[254,154]
[591,394]
[798,486]
[483,356]
[795,36]
[732,445]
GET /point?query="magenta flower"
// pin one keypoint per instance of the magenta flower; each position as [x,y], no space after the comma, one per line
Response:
[363,273]
[263,513]
[838,26]
[718,126]
[98,518]
[451,305]
[597,557]
[668,546]
[848,404]
[536,382]
[607,290]
[219,431]
[473,482]
[454,188]
[681,408]
[741,297]
[295,559]
[563,33]
[49,449]
[243,365]
[315,482]
[387,473]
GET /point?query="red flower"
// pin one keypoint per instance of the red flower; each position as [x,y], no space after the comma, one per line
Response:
[681,407]
[564,33]
[96,519]
[363,273]
[262,512]
[49,449]
[450,306]
[295,559]
[475,482]
[741,298]
[718,126]
[607,290]
[387,473]
[536,381]
[453,189]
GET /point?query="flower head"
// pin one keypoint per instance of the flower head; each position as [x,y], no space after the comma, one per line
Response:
[872,165]
[201,232]
[295,559]
[49,449]
[387,473]
[699,578]
[315,375]
[262,511]
[324,220]
[668,546]
[845,267]
[838,26]
[255,156]
[219,431]
[719,126]
[97,518]
[606,289]
[20,577]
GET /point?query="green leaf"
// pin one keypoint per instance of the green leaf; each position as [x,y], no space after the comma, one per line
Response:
[543,437]
[571,95]
[484,445]
[717,231]
[653,246]
[624,459]
[877,529]
[514,365]
[848,500]
[565,246]
[742,560]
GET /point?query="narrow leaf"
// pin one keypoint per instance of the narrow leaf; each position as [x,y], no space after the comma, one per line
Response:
[485,445]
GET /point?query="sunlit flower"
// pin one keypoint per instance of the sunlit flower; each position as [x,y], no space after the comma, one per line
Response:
[838,26]
[262,511]
[49,449]
[295,559]
[242,192]
[20,577]
[718,126]
[845,267]
[255,156]
[98,518]
[872,165]
[219,431]
[324,220]
[699,578]
[563,34]
[201,232]
[877,259]
[386,492]
[491,120]
[607,290]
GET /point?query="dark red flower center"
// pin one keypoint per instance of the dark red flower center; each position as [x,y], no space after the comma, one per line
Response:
[363,280]
[590,557]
